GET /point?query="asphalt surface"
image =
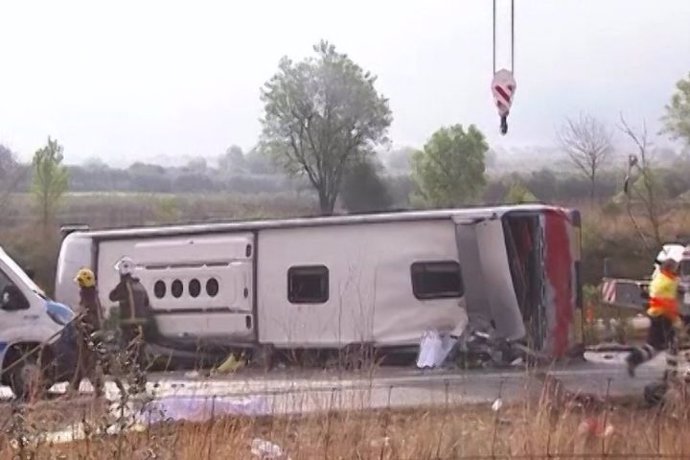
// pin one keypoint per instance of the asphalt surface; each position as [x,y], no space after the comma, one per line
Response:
[602,374]
[291,391]
[186,396]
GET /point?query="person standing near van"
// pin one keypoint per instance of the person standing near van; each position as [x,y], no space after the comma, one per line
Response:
[89,320]
[134,306]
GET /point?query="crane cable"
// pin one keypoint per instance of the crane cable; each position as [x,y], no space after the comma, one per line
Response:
[503,92]
[512,37]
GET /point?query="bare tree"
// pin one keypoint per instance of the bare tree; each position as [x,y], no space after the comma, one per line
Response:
[648,192]
[588,143]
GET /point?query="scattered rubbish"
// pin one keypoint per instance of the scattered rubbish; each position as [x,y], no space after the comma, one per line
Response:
[231,364]
[380,442]
[267,450]
[77,432]
[496,406]
[197,374]
[433,349]
[202,408]
[595,427]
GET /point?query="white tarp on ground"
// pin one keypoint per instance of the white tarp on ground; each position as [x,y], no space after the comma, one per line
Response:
[173,408]
[202,408]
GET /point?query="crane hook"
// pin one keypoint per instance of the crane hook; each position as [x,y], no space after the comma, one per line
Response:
[503,85]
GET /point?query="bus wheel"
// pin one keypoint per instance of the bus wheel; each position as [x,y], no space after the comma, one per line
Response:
[654,393]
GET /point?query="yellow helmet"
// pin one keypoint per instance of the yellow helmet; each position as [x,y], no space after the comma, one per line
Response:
[85,278]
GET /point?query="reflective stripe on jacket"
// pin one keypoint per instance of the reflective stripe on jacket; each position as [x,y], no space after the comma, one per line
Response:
[663,295]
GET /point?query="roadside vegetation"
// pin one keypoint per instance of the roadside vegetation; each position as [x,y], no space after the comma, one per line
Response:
[549,425]
[324,150]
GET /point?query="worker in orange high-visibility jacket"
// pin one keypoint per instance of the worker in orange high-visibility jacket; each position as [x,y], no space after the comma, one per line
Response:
[663,312]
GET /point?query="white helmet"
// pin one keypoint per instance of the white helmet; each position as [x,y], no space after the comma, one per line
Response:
[671,251]
[125,266]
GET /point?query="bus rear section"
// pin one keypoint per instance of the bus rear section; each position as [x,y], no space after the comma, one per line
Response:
[522,276]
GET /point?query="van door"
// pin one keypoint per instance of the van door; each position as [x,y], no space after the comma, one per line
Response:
[489,292]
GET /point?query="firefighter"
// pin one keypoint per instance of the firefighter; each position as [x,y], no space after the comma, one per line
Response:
[664,314]
[89,320]
[134,307]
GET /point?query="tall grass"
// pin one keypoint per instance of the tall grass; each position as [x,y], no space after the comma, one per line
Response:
[547,427]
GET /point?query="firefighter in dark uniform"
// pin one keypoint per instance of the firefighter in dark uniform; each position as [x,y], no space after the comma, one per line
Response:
[89,320]
[134,308]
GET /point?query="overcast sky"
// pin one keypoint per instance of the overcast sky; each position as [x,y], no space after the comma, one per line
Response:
[146,79]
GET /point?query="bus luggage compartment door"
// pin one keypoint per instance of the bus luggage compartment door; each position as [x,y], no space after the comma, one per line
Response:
[489,293]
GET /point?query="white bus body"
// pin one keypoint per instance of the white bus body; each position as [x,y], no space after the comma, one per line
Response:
[330,282]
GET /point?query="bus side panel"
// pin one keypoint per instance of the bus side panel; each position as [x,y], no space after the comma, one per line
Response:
[199,286]
[370,294]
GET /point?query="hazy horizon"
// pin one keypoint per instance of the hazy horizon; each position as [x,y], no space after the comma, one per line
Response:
[152,80]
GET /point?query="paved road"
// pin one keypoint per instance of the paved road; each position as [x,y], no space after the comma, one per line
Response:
[293,391]
[180,396]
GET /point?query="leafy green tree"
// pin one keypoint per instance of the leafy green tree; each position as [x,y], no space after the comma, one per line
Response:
[233,161]
[258,162]
[677,118]
[321,115]
[363,188]
[50,179]
[518,193]
[10,175]
[399,160]
[450,170]
[197,165]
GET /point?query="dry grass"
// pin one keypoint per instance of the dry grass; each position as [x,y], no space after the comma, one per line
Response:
[529,430]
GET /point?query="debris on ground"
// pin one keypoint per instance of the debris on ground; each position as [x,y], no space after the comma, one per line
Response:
[433,349]
[380,443]
[594,426]
[197,374]
[267,450]
[231,364]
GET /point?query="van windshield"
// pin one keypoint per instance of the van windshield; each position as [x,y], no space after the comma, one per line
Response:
[23,277]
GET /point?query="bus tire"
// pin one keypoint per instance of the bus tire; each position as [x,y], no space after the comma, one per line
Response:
[654,393]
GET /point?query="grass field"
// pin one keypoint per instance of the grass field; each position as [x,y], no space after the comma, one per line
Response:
[536,429]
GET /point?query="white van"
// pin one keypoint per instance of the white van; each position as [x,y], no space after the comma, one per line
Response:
[33,337]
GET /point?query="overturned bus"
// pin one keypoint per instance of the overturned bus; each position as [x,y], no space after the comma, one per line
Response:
[330,283]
